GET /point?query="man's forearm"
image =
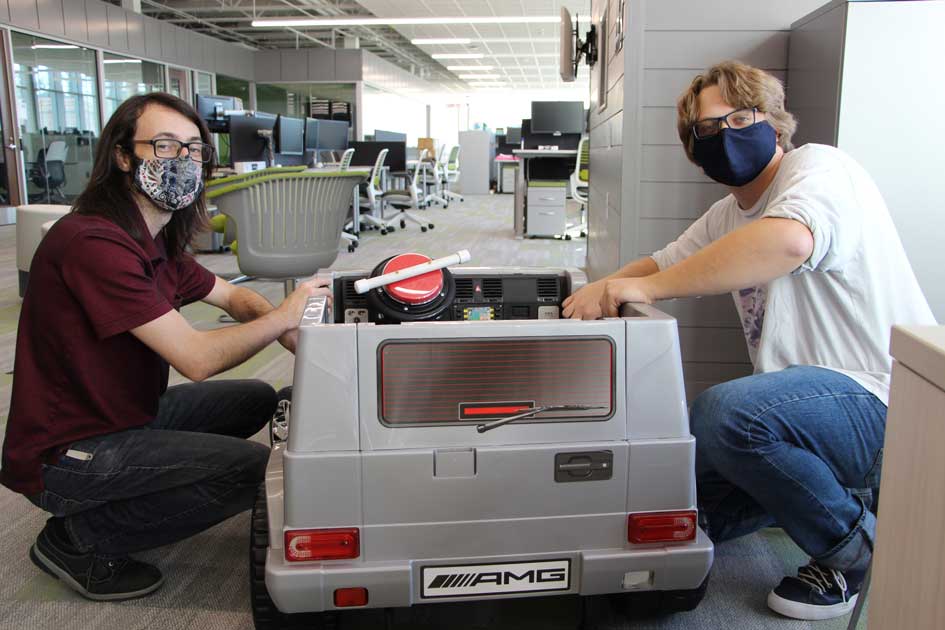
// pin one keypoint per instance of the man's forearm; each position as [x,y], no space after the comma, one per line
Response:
[639,268]
[747,257]
[224,348]
[246,305]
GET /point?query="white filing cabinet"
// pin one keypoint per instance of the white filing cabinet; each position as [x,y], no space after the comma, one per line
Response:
[546,214]
[908,583]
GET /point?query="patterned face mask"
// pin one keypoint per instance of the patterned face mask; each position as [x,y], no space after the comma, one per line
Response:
[171,184]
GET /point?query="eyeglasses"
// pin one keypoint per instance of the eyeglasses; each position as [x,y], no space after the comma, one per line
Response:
[169,148]
[738,119]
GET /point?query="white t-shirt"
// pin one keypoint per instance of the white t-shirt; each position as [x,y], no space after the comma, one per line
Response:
[836,310]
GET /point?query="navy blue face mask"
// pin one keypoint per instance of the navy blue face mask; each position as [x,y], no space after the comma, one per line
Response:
[735,157]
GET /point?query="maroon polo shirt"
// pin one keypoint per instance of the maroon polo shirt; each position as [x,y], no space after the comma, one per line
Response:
[78,372]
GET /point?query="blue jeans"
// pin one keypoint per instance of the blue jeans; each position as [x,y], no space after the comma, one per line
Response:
[800,449]
[190,468]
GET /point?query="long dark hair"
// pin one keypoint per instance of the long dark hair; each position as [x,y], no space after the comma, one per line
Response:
[109,191]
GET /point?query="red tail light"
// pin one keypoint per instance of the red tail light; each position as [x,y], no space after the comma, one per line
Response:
[302,545]
[345,597]
[653,527]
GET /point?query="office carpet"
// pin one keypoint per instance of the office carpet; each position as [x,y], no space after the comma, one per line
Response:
[206,576]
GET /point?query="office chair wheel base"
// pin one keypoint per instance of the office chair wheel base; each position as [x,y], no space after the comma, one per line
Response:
[383,232]
[567,237]
[446,206]
[350,249]
[430,225]
[403,224]
[423,228]
[583,234]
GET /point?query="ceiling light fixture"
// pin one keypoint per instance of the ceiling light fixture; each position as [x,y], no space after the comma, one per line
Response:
[406,21]
[480,76]
[53,47]
[461,56]
[487,40]
[487,84]
[463,68]
[432,41]
[122,61]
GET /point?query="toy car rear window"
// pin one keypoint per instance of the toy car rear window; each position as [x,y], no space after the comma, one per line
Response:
[445,381]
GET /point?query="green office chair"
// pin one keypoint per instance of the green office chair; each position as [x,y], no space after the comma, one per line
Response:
[289,224]
[580,179]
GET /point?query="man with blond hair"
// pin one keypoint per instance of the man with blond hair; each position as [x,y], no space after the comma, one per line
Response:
[806,246]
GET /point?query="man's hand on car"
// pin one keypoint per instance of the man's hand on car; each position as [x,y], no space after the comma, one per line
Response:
[293,306]
[585,303]
[621,291]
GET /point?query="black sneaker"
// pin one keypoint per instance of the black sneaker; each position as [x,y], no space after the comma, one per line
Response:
[104,578]
[816,593]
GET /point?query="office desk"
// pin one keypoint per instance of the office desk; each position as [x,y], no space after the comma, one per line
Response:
[526,156]
[908,590]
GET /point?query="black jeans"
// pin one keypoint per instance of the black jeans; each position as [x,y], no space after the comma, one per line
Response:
[190,468]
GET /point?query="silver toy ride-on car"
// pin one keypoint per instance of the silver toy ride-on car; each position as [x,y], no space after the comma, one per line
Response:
[450,438]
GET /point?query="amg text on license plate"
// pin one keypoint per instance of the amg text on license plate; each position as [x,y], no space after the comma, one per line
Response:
[473,580]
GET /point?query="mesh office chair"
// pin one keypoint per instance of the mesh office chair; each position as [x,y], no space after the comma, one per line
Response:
[352,239]
[289,224]
[452,174]
[409,197]
[580,179]
[49,173]
[372,198]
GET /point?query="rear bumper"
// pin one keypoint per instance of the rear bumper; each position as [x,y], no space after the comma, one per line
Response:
[310,587]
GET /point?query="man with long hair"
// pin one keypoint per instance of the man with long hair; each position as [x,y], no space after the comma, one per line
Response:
[806,246]
[94,436]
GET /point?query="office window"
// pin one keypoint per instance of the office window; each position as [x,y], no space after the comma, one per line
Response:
[57,114]
[125,77]
[204,82]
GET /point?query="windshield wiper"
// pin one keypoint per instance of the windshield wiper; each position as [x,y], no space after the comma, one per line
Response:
[482,428]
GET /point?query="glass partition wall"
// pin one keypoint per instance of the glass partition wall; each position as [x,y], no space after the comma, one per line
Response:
[57,114]
[125,77]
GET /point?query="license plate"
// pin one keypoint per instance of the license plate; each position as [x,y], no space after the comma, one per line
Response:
[474,580]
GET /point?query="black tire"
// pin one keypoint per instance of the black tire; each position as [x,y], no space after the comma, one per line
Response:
[430,225]
[265,614]
[657,603]
[384,232]
[350,249]
[403,224]
[423,229]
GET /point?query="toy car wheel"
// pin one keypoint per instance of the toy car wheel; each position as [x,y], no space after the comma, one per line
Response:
[265,614]
[636,605]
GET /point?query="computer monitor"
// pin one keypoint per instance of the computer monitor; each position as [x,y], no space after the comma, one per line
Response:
[389,136]
[365,154]
[558,117]
[311,134]
[332,135]
[246,145]
[513,135]
[288,135]
[211,108]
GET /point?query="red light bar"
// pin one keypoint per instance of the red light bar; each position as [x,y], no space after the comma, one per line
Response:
[653,527]
[305,545]
[490,411]
[345,597]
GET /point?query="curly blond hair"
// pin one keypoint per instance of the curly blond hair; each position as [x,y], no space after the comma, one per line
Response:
[742,86]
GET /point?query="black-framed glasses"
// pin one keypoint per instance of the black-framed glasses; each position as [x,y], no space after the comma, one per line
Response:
[169,148]
[738,119]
